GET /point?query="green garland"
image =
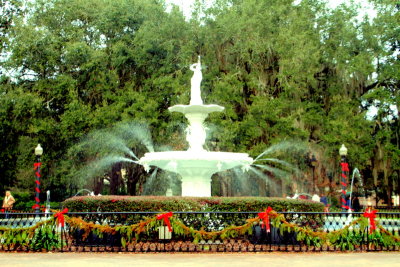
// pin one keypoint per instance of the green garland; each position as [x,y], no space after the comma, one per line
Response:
[23,236]
[347,238]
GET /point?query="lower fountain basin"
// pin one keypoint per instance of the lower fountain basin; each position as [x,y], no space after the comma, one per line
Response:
[196,167]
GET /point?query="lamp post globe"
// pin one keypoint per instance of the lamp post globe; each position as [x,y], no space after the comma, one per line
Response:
[343,150]
[38,150]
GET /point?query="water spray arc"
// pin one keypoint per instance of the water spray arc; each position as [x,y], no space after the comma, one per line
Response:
[194,166]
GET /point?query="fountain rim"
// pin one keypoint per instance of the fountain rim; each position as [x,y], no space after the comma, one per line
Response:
[201,161]
[201,155]
[203,109]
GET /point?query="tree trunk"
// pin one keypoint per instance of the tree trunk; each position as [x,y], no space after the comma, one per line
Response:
[115,179]
[398,182]
[132,181]
[98,185]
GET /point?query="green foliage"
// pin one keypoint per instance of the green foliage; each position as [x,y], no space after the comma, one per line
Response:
[14,237]
[348,239]
[383,240]
[20,237]
[282,70]
[308,239]
[46,237]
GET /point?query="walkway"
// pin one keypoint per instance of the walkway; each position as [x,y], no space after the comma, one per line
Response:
[381,259]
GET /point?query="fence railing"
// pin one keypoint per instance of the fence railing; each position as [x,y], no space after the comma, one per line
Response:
[199,232]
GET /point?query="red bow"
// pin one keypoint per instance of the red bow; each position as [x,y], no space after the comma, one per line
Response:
[36,165]
[60,216]
[371,215]
[36,206]
[165,217]
[345,166]
[264,216]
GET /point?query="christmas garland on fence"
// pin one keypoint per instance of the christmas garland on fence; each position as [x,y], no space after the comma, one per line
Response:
[346,238]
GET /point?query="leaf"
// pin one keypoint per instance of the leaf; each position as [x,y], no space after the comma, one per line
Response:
[123,242]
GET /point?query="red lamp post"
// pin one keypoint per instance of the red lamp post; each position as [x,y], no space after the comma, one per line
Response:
[343,181]
[36,166]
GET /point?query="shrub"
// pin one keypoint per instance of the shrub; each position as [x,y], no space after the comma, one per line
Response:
[25,200]
[46,237]
[162,203]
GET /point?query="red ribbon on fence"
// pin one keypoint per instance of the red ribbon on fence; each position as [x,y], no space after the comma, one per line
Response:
[36,165]
[37,189]
[165,217]
[36,206]
[370,214]
[264,216]
[60,216]
[37,182]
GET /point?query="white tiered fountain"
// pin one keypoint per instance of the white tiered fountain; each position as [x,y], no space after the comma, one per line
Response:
[196,165]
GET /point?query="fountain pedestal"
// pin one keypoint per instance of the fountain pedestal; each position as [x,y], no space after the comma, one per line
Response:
[196,186]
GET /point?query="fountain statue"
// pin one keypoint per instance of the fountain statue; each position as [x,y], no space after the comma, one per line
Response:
[195,93]
[196,165]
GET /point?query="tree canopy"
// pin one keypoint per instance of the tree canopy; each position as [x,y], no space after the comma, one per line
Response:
[283,70]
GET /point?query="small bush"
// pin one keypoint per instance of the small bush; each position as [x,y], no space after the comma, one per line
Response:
[25,200]
[46,237]
[162,203]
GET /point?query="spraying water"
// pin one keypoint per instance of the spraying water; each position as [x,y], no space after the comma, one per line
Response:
[196,165]
[356,173]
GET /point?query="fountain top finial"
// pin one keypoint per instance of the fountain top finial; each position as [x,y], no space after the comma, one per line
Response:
[196,105]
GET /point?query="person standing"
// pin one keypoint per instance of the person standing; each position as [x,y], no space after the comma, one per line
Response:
[8,202]
[324,200]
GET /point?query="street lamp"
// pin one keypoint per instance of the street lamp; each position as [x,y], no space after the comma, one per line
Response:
[345,170]
[36,166]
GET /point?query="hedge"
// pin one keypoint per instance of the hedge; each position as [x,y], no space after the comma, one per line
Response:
[163,203]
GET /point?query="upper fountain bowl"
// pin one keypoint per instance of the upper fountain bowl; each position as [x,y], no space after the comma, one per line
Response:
[196,109]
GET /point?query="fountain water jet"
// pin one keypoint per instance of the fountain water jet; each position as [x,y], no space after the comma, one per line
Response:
[196,165]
